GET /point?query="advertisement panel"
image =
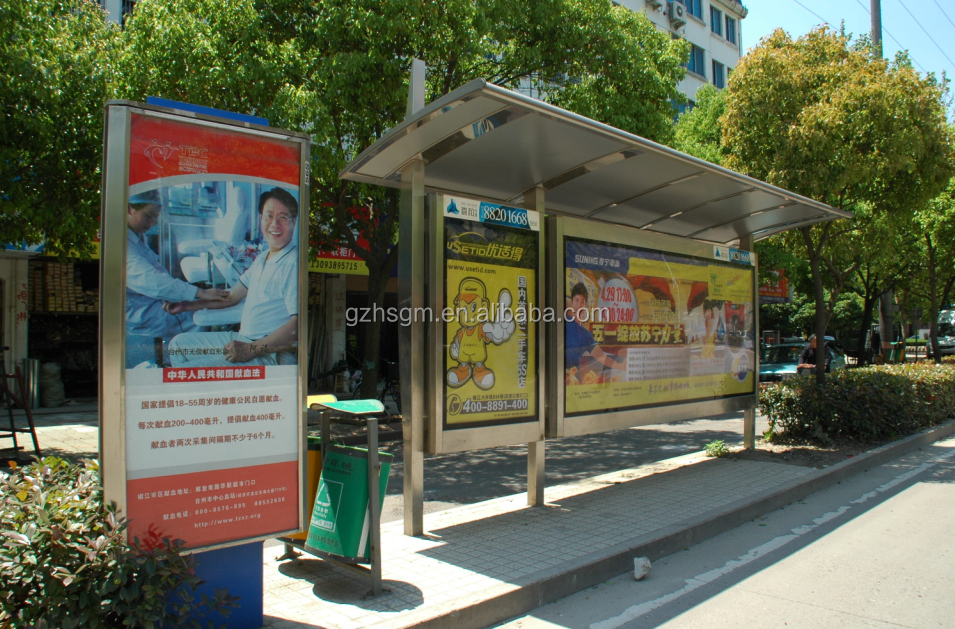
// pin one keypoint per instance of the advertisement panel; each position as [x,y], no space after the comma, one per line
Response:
[776,290]
[212,258]
[645,327]
[490,339]
[339,260]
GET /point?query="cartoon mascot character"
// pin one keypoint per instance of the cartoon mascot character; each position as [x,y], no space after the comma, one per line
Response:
[481,323]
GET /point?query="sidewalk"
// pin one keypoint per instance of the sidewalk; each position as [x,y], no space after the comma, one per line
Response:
[492,549]
[484,563]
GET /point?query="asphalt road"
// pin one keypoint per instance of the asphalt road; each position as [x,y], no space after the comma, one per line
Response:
[876,550]
[468,477]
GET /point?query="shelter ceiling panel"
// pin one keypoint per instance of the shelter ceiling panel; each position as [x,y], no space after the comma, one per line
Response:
[429,133]
[616,183]
[765,224]
[719,212]
[685,195]
[504,161]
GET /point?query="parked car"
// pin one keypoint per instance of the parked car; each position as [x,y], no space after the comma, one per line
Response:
[780,362]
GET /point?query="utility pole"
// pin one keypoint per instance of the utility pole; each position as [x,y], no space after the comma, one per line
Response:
[876,13]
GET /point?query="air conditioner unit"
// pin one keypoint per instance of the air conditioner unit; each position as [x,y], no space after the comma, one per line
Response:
[677,13]
[654,4]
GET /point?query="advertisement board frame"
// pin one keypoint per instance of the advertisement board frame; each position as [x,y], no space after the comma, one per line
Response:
[112,420]
[440,439]
[558,425]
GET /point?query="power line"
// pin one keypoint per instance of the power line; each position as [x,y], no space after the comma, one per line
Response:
[927,33]
[944,13]
[897,42]
[813,12]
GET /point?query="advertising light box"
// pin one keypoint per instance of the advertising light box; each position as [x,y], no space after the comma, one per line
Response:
[212,322]
[647,330]
[488,344]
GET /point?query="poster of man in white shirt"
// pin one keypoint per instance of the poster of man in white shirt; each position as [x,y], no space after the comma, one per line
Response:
[268,330]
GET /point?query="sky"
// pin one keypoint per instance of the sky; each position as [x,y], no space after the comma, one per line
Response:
[900,30]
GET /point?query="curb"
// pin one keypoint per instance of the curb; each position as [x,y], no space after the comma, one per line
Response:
[508,600]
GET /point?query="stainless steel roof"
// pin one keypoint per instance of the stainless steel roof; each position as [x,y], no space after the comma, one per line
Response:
[488,142]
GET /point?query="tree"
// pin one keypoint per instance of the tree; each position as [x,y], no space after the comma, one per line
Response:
[55,71]
[338,69]
[823,118]
[935,241]
[699,131]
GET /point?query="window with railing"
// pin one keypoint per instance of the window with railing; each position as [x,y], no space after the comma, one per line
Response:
[127,8]
[695,62]
[716,21]
[719,74]
[730,30]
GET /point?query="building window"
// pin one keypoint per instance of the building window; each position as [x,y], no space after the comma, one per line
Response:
[716,21]
[730,30]
[719,74]
[694,8]
[127,9]
[695,62]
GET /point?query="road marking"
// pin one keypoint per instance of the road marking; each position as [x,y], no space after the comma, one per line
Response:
[636,611]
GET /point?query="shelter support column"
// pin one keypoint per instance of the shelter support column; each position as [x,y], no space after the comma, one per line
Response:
[534,200]
[749,414]
[411,294]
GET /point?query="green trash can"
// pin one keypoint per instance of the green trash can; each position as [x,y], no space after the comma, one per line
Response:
[341,521]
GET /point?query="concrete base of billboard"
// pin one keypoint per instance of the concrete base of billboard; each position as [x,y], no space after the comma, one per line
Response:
[239,570]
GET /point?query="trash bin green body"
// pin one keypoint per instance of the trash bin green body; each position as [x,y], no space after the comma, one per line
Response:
[313,472]
[340,522]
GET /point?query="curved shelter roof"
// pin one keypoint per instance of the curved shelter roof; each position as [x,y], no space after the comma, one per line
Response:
[492,143]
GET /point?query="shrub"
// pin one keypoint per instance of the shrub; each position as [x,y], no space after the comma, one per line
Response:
[717,449]
[65,563]
[870,404]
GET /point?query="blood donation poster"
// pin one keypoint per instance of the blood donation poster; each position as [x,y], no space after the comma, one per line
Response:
[644,328]
[212,444]
[490,339]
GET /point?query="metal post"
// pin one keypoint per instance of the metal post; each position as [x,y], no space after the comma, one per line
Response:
[749,428]
[326,433]
[374,506]
[411,294]
[534,200]
[749,414]
[411,338]
[112,315]
[876,13]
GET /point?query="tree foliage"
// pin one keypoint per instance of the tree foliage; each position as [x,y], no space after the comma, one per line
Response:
[699,131]
[338,69]
[824,118]
[56,61]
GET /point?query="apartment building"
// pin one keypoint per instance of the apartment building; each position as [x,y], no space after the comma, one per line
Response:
[713,28]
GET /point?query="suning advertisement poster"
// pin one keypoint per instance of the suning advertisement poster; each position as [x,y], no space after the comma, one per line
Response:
[490,339]
[212,319]
[645,328]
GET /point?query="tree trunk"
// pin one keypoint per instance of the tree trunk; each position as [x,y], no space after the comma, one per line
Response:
[377,278]
[933,299]
[886,329]
[819,329]
[868,305]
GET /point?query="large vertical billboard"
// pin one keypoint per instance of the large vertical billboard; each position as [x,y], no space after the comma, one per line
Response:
[490,338]
[214,216]
[644,328]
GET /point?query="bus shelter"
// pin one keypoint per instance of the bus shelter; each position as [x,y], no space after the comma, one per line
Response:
[616,275]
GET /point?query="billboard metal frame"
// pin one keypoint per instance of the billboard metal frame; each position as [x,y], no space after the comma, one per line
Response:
[112,407]
[441,440]
[558,229]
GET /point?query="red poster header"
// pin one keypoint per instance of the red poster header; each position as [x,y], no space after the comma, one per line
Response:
[198,374]
[160,148]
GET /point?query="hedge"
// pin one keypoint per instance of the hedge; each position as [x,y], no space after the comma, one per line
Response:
[869,404]
[65,562]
